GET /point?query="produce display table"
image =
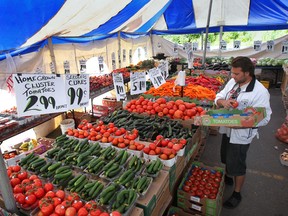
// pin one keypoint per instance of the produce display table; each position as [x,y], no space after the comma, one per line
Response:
[277,70]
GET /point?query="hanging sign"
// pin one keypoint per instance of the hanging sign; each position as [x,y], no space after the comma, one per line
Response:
[164,68]
[39,70]
[270,45]
[159,45]
[119,56]
[138,82]
[124,55]
[190,58]
[236,44]
[185,46]
[130,56]
[156,77]
[208,46]
[39,94]
[113,57]
[175,49]
[119,86]
[82,63]
[257,45]
[77,90]
[139,53]
[52,68]
[101,63]
[145,51]
[194,46]
[66,65]
[223,45]
[285,47]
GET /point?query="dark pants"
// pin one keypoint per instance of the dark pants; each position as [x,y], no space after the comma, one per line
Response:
[234,156]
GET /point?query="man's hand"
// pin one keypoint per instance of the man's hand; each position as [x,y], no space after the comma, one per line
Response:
[227,104]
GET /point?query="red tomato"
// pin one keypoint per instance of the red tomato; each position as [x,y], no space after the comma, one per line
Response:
[39,192]
[20,198]
[50,194]
[9,172]
[22,175]
[66,203]
[82,212]
[70,211]
[15,181]
[235,104]
[73,196]
[16,168]
[30,199]
[206,191]
[32,177]
[47,208]
[186,188]
[18,189]
[56,201]
[60,210]
[37,182]
[60,194]
[212,196]
[48,187]
[199,193]
[95,212]
[115,213]
[77,204]
[104,214]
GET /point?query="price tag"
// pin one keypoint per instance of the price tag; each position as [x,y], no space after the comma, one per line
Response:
[159,45]
[82,65]
[119,56]
[285,47]
[145,51]
[101,63]
[156,77]
[130,56]
[185,46]
[52,68]
[124,55]
[164,68]
[208,46]
[190,58]
[270,45]
[139,53]
[175,49]
[194,46]
[113,57]
[138,82]
[119,86]
[77,90]
[236,44]
[257,45]
[66,65]
[223,45]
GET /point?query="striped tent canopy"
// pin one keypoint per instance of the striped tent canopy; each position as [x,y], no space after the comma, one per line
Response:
[26,25]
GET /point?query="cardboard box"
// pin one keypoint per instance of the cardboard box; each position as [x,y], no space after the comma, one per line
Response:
[156,190]
[15,160]
[137,212]
[249,117]
[112,102]
[163,202]
[173,211]
[203,205]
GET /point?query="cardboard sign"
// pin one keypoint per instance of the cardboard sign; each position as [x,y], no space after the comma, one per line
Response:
[119,86]
[285,47]
[113,57]
[236,44]
[130,56]
[124,55]
[138,82]
[270,45]
[156,77]
[223,45]
[101,63]
[257,45]
[164,68]
[77,90]
[66,65]
[175,49]
[194,46]
[82,63]
[52,68]
[39,94]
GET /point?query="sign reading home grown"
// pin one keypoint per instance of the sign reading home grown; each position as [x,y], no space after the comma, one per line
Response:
[39,94]
[77,90]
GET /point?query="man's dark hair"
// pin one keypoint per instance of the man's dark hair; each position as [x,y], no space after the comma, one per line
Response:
[244,63]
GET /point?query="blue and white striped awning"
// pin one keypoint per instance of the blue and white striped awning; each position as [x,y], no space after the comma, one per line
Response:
[25,25]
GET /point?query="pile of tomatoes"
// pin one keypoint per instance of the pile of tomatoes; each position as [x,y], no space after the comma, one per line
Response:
[203,183]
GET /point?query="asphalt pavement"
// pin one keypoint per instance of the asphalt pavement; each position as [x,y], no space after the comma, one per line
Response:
[265,191]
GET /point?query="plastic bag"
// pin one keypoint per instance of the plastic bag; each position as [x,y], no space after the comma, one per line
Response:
[11,69]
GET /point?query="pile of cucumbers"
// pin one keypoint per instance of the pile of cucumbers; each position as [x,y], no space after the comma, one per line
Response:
[124,200]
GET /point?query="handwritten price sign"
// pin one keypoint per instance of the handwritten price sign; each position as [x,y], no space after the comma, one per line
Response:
[77,90]
[257,45]
[39,94]
[119,86]
[138,83]
[156,77]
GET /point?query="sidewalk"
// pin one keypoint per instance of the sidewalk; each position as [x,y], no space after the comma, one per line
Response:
[265,191]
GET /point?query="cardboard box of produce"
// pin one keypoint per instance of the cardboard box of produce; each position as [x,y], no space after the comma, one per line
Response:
[248,117]
[204,205]
[176,211]
[152,197]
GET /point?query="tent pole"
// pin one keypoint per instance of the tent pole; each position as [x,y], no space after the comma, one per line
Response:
[207,31]
[6,188]
[220,39]
[119,49]
[50,46]
[152,42]
[202,40]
